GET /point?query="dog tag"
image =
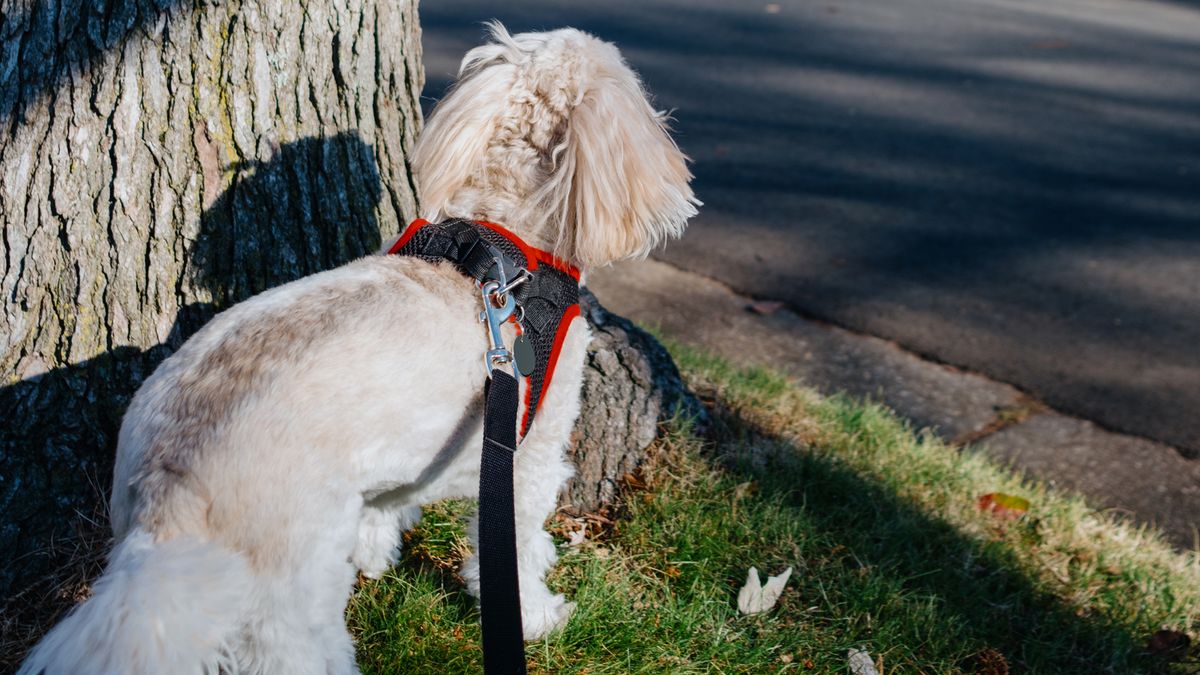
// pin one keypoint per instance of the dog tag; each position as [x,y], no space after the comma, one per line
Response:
[523,355]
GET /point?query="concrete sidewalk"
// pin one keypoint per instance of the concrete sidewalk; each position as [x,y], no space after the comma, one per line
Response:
[1149,481]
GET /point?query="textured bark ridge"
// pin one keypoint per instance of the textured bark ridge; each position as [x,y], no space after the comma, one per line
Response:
[161,160]
[630,385]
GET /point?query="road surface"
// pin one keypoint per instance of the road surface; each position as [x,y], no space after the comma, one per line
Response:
[1008,186]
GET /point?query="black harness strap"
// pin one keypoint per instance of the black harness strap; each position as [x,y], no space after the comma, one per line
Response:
[547,298]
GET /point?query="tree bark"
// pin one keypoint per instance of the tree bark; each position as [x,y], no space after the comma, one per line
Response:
[630,386]
[162,160]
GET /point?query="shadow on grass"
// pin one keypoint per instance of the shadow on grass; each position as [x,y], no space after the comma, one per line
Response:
[873,571]
[981,598]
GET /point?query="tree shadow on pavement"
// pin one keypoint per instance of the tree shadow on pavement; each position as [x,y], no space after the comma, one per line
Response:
[310,207]
[995,187]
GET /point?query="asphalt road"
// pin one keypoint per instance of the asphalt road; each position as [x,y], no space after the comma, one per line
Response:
[1004,185]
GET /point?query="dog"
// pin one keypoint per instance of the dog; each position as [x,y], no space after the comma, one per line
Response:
[288,444]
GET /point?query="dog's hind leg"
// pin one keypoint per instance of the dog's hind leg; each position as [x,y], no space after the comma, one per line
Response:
[379,535]
[298,626]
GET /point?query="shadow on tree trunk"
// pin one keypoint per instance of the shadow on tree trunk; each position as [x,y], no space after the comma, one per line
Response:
[57,41]
[310,207]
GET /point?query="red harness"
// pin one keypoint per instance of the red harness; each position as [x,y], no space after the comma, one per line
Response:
[549,300]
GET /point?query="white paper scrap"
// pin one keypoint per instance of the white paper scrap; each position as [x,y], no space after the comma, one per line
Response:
[861,663]
[576,538]
[754,598]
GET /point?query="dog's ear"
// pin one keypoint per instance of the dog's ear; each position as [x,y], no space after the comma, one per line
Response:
[452,147]
[561,110]
[625,181]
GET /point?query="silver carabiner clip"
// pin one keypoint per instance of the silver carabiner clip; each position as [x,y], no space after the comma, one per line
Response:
[497,354]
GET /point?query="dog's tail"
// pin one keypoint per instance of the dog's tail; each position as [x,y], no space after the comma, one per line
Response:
[168,607]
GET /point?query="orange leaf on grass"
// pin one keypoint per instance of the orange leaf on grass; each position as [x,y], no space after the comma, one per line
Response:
[1003,505]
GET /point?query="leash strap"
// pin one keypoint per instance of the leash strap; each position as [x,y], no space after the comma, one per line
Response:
[548,298]
[500,595]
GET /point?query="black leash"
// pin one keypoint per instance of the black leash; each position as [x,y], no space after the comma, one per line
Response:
[499,586]
[500,596]
[541,302]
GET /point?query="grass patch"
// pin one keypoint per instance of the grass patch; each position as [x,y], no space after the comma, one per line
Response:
[890,551]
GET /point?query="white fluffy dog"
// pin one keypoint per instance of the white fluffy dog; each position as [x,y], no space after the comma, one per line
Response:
[289,442]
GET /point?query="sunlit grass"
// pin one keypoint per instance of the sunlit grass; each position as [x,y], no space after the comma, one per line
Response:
[890,552]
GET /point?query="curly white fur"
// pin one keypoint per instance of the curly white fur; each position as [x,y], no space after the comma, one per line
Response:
[553,131]
[289,442]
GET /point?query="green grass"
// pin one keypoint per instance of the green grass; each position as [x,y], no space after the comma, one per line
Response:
[890,553]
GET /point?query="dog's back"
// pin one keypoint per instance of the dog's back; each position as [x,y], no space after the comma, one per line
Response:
[242,466]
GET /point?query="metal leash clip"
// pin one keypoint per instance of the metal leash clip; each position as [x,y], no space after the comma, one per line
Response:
[493,292]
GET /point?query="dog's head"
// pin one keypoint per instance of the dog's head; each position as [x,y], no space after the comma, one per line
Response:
[551,134]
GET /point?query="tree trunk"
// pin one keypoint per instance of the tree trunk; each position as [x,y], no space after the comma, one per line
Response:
[630,385]
[162,160]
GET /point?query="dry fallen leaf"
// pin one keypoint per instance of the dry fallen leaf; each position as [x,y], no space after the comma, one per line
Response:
[989,662]
[740,492]
[765,307]
[755,598]
[1005,506]
[576,538]
[861,663]
[634,481]
[1169,643]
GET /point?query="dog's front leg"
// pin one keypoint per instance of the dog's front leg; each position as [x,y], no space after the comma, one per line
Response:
[540,473]
[540,469]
